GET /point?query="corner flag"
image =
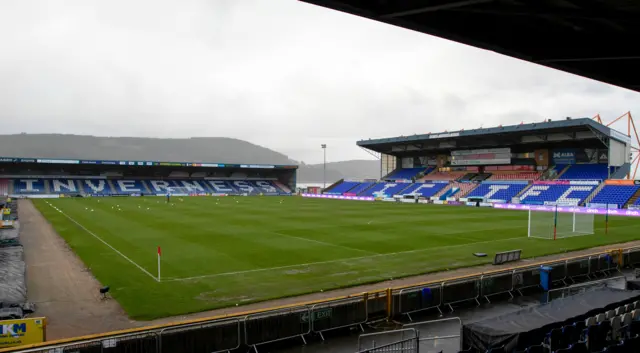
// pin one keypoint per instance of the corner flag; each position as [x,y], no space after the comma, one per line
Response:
[159,255]
[555,223]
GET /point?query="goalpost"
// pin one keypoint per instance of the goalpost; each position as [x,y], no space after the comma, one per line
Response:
[179,191]
[554,225]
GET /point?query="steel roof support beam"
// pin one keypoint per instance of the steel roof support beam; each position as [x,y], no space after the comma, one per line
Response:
[425,9]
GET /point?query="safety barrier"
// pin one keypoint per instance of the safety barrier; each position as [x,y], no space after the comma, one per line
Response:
[413,300]
[458,291]
[496,284]
[448,330]
[339,314]
[374,340]
[277,325]
[558,293]
[409,345]
[213,337]
[255,328]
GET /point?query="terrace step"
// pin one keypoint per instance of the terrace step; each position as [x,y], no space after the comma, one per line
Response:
[633,199]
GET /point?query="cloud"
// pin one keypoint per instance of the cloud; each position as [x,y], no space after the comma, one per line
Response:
[279,73]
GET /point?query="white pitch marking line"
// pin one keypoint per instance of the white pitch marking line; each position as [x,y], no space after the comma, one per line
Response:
[324,243]
[107,244]
[339,260]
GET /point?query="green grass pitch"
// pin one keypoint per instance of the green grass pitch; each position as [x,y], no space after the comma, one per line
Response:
[219,252]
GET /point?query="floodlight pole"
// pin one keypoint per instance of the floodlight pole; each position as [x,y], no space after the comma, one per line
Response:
[324,167]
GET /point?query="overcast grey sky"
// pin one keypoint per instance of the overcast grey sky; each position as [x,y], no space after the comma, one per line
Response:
[278,73]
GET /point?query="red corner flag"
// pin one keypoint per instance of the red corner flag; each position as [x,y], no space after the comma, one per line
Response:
[159,251]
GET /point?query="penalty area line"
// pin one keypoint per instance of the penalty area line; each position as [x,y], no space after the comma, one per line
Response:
[338,260]
[104,242]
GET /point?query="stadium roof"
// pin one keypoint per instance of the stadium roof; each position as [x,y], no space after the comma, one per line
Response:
[591,38]
[582,132]
[61,161]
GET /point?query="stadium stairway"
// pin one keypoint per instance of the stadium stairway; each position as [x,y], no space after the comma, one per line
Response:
[362,188]
[282,187]
[146,186]
[330,187]
[466,189]
[444,190]
[593,194]
[523,190]
[634,199]
[562,171]
[4,187]
[111,184]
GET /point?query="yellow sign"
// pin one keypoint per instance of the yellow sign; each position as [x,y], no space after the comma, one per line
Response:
[6,211]
[20,332]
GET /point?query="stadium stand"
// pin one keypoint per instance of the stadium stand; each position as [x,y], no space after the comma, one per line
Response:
[424,189]
[361,188]
[563,194]
[585,172]
[388,189]
[615,194]
[406,173]
[29,186]
[515,176]
[343,187]
[497,191]
[4,187]
[135,186]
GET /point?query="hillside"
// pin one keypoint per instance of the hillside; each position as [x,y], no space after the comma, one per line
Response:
[199,149]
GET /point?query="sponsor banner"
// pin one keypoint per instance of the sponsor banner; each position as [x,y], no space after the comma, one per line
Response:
[496,201]
[463,199]
[451,198]
[443,135]
[569,209]
[564,156]
[408,200]
[584,182]
[602,205]
[424,201]
[51,196]
[21,332]
[621,182]
[471,204]
[634,207]
[350,194]
[437,181]
[339,197]
[485,204]
[388,199]
[455,203]
[438,202]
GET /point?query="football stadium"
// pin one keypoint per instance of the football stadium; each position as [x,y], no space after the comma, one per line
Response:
[514,238]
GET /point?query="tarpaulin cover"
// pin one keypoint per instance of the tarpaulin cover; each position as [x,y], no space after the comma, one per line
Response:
[528,326]
[12,275]
[9,237]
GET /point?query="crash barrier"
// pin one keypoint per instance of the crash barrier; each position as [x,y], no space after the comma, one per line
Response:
[277,325]
[253,329]
[615,282]
[439,335]
[379,339]
[409,345]
[339,314]
[507,256]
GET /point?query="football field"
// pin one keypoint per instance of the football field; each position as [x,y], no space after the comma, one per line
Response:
[223,251]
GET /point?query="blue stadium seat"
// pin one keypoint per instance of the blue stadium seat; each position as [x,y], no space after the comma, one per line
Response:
[615,194]
[29,186]
[343,187]
[63,186]
[585,172]
[539,194]
[388,189]
[497,191]
[406,173]
[360,188]
[128,186]
[95,187]
[424,189]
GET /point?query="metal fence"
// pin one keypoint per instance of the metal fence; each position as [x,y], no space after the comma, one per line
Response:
[400,341]
[444,335]
[296,322]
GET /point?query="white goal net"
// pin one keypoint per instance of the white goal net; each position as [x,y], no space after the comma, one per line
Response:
[555,225]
